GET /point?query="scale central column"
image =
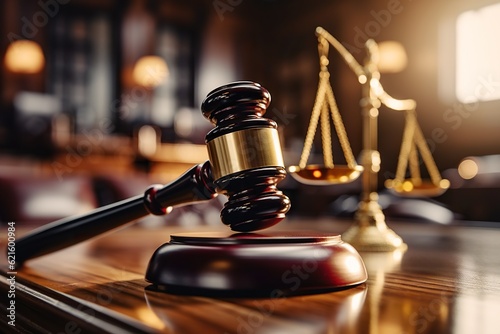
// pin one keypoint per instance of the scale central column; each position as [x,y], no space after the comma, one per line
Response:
[370,232]
[369,211]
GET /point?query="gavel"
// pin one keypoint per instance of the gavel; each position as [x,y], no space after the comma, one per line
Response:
[245,163]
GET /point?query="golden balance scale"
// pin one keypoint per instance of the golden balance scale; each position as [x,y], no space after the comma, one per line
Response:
[370,232]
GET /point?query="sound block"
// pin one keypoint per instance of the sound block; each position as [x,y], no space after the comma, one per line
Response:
[255,264]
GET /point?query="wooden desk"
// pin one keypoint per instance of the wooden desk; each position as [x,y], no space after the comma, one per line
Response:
[448,281]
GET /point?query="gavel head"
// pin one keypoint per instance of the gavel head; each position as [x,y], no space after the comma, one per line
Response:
[245,156]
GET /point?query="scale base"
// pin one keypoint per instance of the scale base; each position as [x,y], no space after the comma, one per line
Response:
[255,264]
[370,232]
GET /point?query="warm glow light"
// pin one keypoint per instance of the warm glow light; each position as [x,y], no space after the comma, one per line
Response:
[147,315]
[477,55]
[351,264]
[150,71]
[220,265]
[317,174]
[147,140]
[24,56]
[407,186]
[392,57]
[468,169]
[444,184]
[373,112]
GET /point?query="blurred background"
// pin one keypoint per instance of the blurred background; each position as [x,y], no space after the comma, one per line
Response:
[101,98]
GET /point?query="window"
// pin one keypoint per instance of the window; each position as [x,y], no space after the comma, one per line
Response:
[478,55]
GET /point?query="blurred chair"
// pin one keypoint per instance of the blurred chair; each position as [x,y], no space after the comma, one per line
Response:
[33,126]
[36,200]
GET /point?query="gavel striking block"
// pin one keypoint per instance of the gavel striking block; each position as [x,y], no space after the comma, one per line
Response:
[245,164]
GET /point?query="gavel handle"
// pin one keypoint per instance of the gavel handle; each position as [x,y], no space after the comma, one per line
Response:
[194,185]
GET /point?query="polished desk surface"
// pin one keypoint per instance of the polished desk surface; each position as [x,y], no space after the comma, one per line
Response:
[447,281]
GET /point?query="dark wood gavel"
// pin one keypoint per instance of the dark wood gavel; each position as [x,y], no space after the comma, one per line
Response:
[245,163]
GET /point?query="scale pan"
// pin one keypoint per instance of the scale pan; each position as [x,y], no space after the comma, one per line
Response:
[322,175]
[409,188]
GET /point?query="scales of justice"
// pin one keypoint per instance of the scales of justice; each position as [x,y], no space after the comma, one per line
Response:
[370,231]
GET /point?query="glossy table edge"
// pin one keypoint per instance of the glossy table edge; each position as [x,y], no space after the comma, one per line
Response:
[75,313]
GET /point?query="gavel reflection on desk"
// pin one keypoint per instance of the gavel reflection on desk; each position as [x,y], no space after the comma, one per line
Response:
[245,163]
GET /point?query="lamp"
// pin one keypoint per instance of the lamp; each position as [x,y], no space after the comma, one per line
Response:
[24,56]
[392,57]
[150,71]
